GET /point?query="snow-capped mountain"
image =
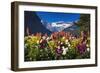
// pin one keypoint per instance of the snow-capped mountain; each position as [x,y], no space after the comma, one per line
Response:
[61,24]
[57,26]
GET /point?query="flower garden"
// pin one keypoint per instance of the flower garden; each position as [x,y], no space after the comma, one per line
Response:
[57,46]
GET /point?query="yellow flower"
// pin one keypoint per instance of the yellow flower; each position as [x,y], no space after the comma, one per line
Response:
[52,44]
[37,41]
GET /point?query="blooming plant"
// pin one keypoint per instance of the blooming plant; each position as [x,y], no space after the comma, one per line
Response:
[57,46]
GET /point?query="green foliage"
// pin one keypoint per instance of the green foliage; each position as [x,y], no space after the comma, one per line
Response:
[84,22]
[72,53]
[33,52]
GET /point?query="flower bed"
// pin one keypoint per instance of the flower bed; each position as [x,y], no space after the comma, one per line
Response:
[57,46]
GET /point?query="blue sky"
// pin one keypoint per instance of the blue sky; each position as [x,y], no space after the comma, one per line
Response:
[55,17]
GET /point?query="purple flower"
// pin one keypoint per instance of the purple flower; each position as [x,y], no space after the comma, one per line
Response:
[81,48]
[59,51]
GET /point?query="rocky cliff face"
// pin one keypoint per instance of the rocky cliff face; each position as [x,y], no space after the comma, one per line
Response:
[32,24]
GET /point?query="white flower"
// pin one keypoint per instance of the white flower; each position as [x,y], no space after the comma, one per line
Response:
[64,50]
[68,45]
[44,37]
[88,49]
[41,41]
[63,47]
[66,41]
[87,45]
[63,38]
[47,38]
[25,46]
[61,42]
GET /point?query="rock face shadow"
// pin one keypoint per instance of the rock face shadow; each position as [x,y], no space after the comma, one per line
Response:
[32,24]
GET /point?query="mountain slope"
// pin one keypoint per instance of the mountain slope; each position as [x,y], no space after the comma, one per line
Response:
[33,23]
[73,29]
